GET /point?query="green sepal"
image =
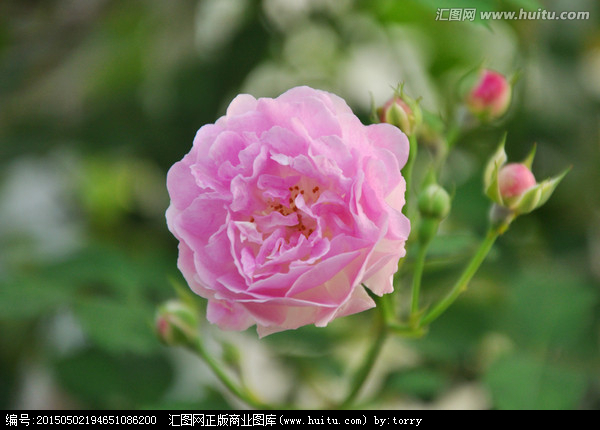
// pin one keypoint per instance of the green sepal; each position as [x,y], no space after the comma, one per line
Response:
[176,323]
[494,164]
[536,196]
[549,185]
[528,161]
[528,201]
[493,189]
[397,116]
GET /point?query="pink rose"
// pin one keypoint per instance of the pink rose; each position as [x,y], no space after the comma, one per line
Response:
[285,207]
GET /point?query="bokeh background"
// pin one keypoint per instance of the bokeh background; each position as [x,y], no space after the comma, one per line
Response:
[99,97]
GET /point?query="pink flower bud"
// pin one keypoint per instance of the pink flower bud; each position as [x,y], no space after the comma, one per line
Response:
[401,111]
[490,97]
[514,179]
[513,188]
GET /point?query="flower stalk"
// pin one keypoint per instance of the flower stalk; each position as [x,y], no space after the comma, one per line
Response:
[363,372]
[417,276]
[407,172]
[463,281]
[434,206]
[242,393]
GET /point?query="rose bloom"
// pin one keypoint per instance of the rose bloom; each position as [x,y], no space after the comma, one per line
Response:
[285,207]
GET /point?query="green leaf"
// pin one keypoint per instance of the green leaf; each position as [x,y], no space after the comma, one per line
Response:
[118,326]
[550,308]
[456,334]
[521,381]
[99,266]
[212,400]
[422,383]
[30,296]
[101,269]
[102,380]
[450,247]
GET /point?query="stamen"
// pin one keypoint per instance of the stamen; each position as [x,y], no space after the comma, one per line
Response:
[275,205]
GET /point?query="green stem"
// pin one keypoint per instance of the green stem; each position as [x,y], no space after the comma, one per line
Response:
[365,369]
[417,276]
[386,305]
[463,281]
[406,330]
[407,172]
[452,136]
[243,394]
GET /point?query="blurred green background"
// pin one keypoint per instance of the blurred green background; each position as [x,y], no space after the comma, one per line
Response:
[98,98]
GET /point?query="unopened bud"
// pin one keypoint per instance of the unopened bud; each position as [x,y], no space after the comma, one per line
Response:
[176,323]
[397,113]
[434,206]
[401,111]
[514,179]
[512,186]
[490,97]
[434,202]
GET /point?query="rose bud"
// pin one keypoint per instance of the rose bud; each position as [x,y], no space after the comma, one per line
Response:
[434,206]
[490,97]
[434,202]
[514,179]
[513,187]
[401,111]
[176,323]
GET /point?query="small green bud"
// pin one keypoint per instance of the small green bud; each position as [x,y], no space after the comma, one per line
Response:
[434,202]
[176,323]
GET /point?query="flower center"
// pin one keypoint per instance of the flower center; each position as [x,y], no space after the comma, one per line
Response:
[309,192]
